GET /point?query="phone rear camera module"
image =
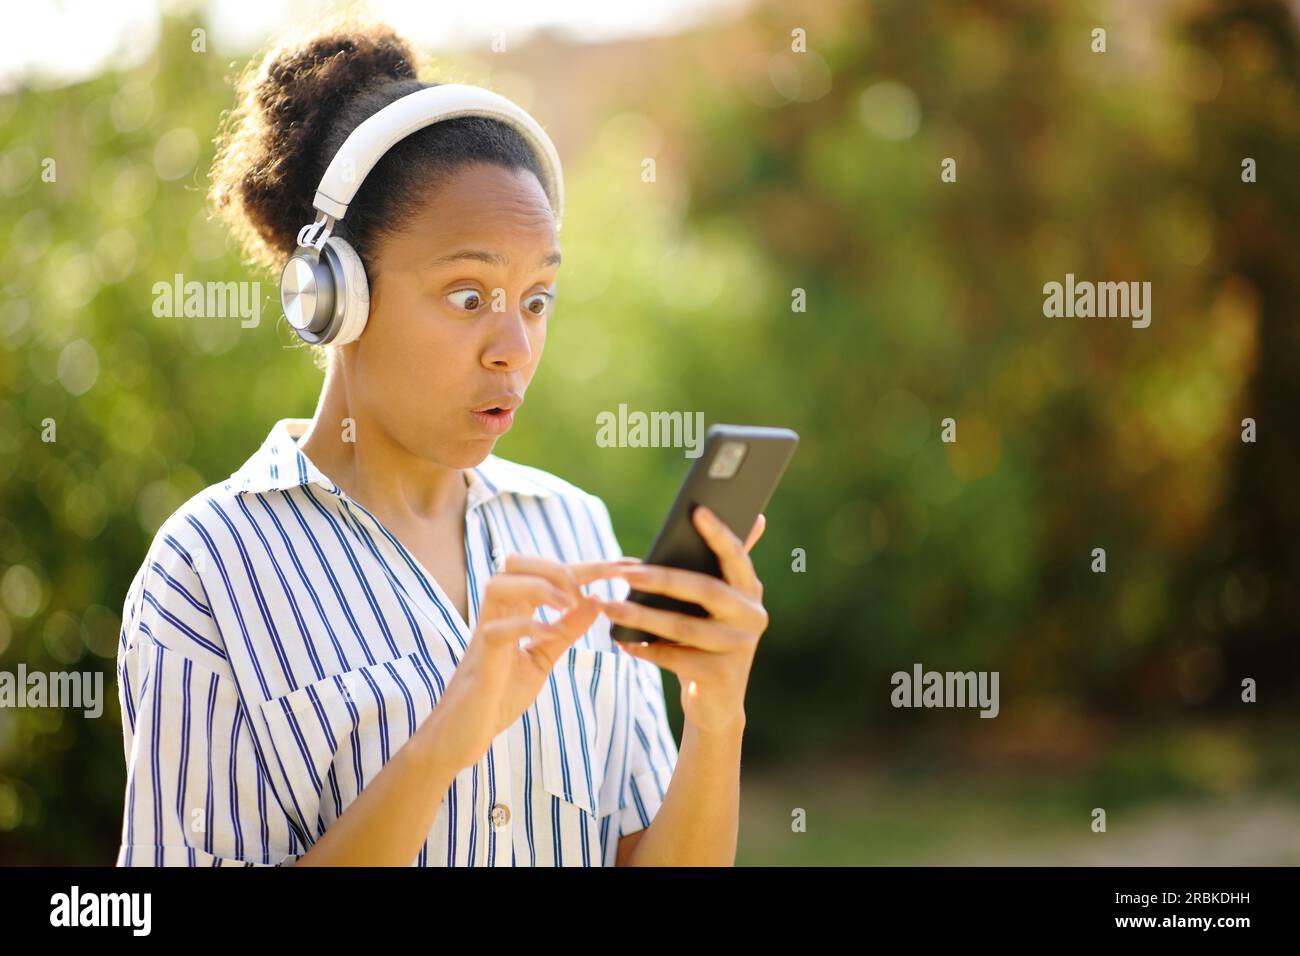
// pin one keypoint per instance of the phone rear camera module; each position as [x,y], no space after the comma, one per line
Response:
[727,461]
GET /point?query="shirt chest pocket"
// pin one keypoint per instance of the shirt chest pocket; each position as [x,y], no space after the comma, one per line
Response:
[582,721]
[333,736]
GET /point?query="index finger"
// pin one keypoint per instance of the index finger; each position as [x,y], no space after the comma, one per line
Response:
[567,577]
[733,558]
[588,571]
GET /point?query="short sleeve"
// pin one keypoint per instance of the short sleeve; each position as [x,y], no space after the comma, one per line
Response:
[652,749]
[197,792]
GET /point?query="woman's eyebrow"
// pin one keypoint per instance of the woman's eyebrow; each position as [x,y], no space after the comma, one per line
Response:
[491,258]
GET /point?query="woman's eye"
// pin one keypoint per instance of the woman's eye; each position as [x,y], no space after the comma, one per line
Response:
[540,303]
[471,303]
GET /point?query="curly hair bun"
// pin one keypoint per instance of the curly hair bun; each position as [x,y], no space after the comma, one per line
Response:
[274,146]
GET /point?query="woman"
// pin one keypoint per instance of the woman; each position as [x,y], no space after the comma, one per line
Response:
[377,642]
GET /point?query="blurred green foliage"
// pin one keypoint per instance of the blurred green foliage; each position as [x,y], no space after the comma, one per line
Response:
[777,171]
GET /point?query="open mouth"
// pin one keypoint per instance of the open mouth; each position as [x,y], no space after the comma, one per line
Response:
[496,420]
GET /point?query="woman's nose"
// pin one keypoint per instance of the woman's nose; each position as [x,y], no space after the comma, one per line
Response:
[509,344]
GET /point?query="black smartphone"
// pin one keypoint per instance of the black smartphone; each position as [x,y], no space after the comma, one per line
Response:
[735,477]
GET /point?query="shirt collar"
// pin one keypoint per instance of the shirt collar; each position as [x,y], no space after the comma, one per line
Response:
[279,464]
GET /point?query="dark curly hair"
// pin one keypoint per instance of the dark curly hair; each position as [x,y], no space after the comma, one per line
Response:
[297,105]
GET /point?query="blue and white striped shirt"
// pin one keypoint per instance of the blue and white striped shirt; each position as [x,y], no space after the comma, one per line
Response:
[279,644]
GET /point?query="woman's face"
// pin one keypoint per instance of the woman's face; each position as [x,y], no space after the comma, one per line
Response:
[460,300]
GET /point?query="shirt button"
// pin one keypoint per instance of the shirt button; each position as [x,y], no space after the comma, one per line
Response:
[500,815]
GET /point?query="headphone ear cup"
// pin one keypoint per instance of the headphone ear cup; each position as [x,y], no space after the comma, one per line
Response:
[351,289]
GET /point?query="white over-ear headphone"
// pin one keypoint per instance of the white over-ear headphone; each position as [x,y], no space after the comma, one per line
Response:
[323,286]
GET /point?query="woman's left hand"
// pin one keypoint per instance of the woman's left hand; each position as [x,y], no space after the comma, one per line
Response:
[711,655]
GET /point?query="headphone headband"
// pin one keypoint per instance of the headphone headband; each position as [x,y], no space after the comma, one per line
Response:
[368,143]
